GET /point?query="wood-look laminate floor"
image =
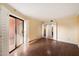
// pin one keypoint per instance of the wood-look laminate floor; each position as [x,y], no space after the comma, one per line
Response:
[49,47]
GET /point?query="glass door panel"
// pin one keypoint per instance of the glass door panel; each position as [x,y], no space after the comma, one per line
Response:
[19,29]
[11,33]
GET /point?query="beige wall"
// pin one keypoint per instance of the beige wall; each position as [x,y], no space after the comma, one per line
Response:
[77,29]
[35,29]
[4,31]
[68,29]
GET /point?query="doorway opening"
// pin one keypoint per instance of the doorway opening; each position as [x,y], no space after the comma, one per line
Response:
[49,31]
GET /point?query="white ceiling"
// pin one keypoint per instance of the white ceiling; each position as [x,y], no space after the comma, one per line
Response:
[46,11]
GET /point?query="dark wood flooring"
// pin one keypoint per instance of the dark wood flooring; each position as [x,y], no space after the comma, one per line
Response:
[49,47]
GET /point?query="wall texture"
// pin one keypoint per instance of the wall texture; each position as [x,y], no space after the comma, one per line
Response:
[68,29]
[4,31]
[77,31]
[35,29]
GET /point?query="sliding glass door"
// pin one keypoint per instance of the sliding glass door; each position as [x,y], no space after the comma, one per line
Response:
[16,32]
